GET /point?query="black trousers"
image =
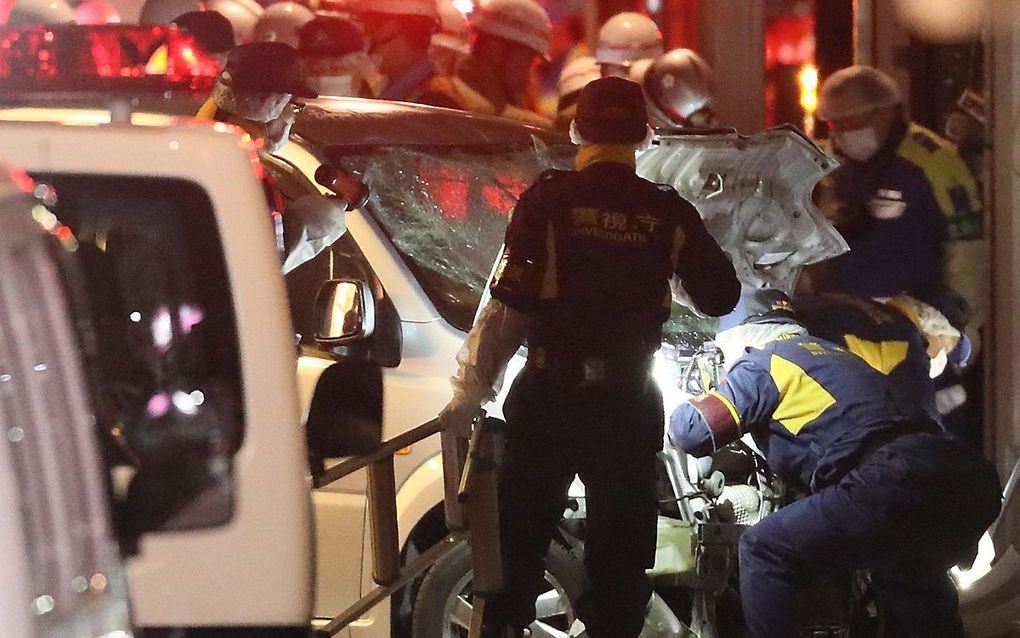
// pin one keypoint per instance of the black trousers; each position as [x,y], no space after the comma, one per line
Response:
[608,434]
[909,512]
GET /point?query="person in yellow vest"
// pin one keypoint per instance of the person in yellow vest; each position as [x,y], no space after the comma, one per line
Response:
[511,36]
[255,89]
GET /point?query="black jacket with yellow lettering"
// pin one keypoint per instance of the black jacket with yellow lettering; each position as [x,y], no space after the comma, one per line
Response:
[590,254]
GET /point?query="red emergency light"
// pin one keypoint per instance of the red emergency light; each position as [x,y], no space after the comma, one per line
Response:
[102,58]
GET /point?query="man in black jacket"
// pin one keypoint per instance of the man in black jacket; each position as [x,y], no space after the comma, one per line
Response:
[590,257]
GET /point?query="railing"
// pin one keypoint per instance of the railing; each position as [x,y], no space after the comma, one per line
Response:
[466,482]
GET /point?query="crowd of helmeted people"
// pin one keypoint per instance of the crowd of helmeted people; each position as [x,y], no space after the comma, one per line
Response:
[428,51]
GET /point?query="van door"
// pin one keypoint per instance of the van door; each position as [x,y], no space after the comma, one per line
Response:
[62,571]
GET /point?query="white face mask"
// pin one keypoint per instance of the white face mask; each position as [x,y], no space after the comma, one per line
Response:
[859,144]
[333,85]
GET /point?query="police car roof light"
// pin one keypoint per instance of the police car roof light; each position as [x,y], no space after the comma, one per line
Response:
[102,59]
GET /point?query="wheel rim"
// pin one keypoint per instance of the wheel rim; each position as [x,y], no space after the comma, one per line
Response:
[553,618]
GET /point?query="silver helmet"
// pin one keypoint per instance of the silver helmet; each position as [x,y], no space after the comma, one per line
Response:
[681,90]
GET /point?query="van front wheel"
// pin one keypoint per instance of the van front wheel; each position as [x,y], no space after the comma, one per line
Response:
[444,605]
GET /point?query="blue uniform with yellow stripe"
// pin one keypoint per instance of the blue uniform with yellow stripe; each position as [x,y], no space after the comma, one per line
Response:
[880,333]
[811,406]
[881,479]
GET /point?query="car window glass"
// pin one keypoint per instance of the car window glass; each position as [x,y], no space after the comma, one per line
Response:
[446,209]
[160,300]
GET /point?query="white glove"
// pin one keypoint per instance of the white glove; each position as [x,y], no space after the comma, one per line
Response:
[459,415]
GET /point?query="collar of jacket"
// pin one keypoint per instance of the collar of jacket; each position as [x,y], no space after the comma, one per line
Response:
[207,112]
[618,153]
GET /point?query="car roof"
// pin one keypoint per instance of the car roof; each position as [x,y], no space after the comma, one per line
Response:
[357,122]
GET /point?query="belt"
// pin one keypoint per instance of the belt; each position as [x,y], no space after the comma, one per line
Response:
[880,439]
[590,370]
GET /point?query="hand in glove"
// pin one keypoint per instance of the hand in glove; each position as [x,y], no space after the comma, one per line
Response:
[459,415]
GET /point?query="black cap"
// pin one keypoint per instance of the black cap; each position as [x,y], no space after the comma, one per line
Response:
[612,110]
[211,29]
[766,305]
[266,67]
[331,36]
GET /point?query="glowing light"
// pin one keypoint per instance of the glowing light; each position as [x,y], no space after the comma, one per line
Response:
[184,403]
[98,582]
[189,316]
[808,80]
[464,6]
[135,317]
[965,578]
[43,605]
[162,329]
[158,405]
[197,397]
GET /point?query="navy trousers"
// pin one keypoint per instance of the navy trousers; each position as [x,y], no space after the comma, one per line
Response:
[909,511]
[609,437]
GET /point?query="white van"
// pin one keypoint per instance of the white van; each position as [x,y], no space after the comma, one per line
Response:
[196,355]
[62,574]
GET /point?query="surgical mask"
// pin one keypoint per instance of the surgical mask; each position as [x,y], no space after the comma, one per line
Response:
[859,144]
[277,133]
[333,85]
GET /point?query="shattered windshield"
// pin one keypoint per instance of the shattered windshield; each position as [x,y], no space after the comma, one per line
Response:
[446,209]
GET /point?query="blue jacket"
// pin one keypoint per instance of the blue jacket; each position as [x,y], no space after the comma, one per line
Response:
[811,406]
[881,334]
[899,207]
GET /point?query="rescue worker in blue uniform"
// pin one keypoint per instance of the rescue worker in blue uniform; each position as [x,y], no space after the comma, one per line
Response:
[901,193]
[880,333]
[887,490]
[590,258]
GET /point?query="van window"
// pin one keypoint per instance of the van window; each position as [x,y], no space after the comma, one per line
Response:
[159,297]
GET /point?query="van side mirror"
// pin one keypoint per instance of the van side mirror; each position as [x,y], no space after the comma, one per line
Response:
[344,312]
[346,414]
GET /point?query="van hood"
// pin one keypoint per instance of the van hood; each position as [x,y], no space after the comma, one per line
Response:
[754,193]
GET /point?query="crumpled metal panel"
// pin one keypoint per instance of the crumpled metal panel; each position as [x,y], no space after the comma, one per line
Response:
[754,193]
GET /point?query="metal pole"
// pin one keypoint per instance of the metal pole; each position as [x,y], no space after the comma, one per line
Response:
[382,502]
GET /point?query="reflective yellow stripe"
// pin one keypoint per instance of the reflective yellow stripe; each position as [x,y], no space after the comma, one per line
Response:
[550,283]
[883,356]
[729,406]
[801,398]
[943,168]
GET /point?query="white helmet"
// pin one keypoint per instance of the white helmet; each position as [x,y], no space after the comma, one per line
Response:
[423,8]
[854,90]
[454,34]
[40,12]
[628,37]
[577,74]
[281,22]
[521,21]
[164,11]
[242,14]
[679,84]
